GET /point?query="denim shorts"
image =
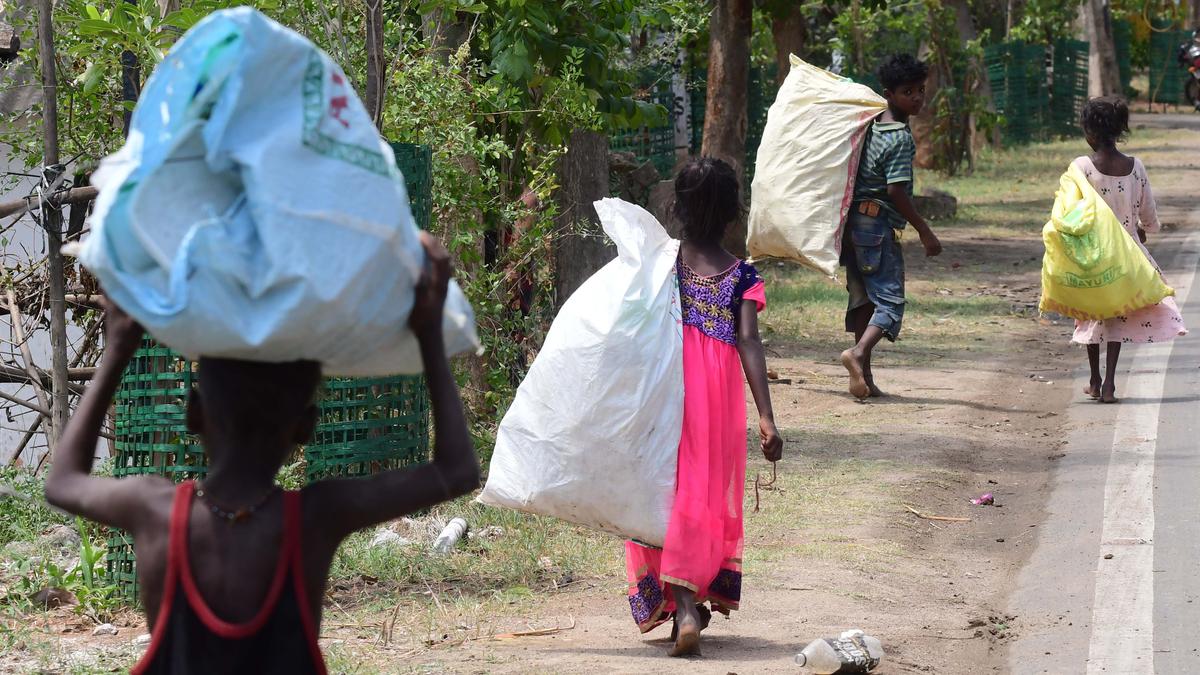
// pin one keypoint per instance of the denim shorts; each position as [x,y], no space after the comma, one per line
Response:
[874,272]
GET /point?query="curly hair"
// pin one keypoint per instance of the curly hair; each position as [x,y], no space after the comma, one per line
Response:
[707,199]
[1105,119]
[901,69]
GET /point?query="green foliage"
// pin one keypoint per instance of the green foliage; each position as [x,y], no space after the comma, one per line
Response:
[1044,21]
[86,580]
[24,515]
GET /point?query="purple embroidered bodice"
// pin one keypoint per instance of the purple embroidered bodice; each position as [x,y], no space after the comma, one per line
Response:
[711,304]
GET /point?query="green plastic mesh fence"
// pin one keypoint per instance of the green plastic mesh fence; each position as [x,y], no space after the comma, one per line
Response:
[654,144]
[1070,86]
[416,165]
[150,415]
[365,424]
[372,424]
[1017,74]
[368,425]
[1166,77]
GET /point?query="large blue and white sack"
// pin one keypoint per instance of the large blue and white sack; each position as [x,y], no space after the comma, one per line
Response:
[255,213]
[592,436]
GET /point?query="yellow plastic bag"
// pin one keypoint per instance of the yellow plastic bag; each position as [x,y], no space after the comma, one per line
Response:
[806,165]
[1092,268]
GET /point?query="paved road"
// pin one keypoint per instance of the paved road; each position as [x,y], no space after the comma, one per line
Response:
[1114,584]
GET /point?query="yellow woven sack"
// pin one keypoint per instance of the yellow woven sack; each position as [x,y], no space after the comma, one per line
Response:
[1092,268]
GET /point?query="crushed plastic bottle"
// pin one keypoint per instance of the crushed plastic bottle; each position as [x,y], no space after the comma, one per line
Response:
[851,652]
[450,536]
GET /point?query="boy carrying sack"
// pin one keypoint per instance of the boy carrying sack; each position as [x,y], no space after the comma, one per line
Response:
[232,568]
[881,207]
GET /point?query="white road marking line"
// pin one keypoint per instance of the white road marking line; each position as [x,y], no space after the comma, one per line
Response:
[1123,609]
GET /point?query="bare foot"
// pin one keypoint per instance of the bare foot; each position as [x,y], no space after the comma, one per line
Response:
[1092,390]
[1108,394]
[687,639]
[876,392]
[858,381]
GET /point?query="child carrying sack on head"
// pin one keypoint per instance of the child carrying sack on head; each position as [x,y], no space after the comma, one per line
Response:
[1096,267]
[232,568]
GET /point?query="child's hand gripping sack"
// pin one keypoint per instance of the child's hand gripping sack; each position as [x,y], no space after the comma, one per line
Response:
[1092,268]
[254,212]
[592,436]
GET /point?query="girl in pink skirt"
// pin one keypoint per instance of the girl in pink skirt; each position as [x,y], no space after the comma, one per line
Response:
[701,559]
[1121,180]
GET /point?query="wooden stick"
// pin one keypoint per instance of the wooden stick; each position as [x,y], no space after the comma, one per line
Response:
[13,375]
[52,223]
[535,633]
[31,369]
[944,519]
[29,434]
[22,402]
[79,195]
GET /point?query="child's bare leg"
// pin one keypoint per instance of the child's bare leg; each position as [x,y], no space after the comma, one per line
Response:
[1108,391]
[1093,388]
[862,319]
[687,623]
[857,359]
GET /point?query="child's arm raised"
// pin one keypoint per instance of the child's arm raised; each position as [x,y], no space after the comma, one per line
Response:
[70,485]
[898,193]
[353,504]
[754,363]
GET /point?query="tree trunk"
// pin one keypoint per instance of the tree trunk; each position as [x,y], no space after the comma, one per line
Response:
[376,66]
[940,76]
[728,95]
[581,247]
[1193,15]
[52,222]
[790,32]
[446,32]
[1104,78]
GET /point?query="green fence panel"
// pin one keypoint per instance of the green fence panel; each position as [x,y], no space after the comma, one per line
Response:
[367,425]
[1070,82]
[654,144]
[151,437]
[1018,77]
[1167,79]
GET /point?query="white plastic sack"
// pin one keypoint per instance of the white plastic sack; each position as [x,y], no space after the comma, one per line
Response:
[592,436]
[807,162]
[255,213]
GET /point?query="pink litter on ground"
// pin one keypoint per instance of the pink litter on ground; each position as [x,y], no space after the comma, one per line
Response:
[985,500]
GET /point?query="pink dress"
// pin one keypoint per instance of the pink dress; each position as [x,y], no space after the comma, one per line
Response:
[1130,198]
[703,548]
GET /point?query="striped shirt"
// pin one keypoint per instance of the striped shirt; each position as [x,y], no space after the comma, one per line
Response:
[888,159]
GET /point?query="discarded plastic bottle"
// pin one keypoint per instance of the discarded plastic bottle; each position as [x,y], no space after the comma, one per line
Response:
[450,536]
[851,652]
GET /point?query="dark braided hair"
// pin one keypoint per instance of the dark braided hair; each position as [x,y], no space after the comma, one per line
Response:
[898,70]
[1105,119]
[707,199]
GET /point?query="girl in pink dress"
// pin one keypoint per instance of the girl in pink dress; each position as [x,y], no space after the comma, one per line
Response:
[1121,180]
[701,559]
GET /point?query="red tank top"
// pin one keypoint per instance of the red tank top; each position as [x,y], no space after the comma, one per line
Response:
[189,638]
